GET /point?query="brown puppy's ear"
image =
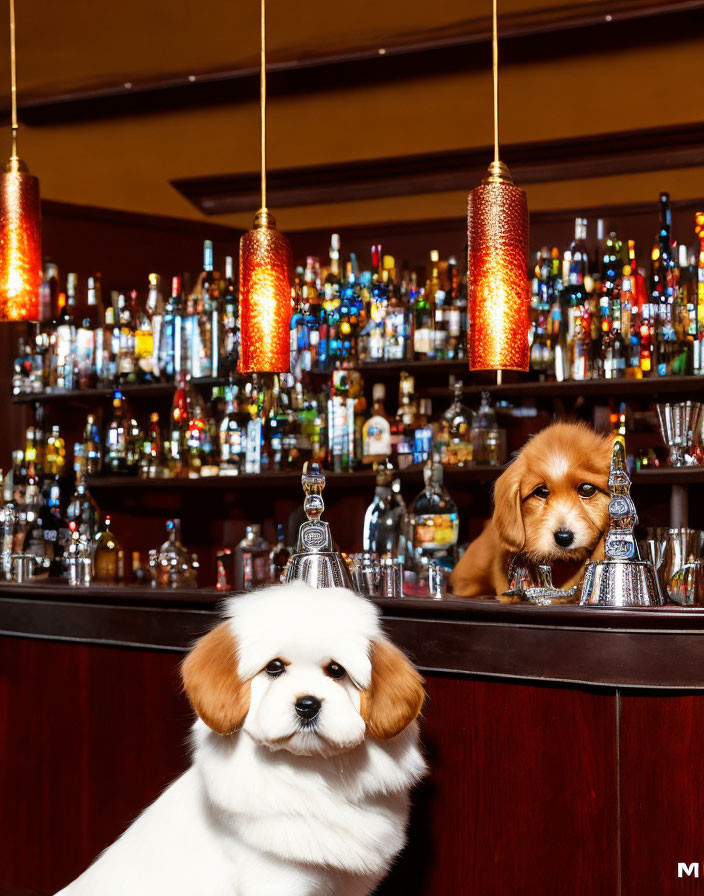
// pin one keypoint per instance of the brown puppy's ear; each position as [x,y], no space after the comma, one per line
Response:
[508,514]
[212,682]
[395,696]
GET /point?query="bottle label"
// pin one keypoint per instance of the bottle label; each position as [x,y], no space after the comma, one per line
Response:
[435,531]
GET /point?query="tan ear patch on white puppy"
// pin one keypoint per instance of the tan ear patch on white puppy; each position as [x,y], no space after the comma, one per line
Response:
[212,682]
[396,695]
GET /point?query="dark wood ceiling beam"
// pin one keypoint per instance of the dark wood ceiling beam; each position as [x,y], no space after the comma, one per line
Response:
[574,158]
[567,30]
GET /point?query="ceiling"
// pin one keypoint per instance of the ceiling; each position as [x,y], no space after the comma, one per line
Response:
[601,67]
[72,46]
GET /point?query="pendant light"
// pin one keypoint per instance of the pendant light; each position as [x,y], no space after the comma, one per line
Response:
[497,260]
[265,274]
[20,224]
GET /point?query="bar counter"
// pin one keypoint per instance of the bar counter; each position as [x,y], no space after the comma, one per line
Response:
[574,734]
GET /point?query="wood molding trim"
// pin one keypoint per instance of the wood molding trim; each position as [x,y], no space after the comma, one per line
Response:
[115,217]
[615,153]
[567,30]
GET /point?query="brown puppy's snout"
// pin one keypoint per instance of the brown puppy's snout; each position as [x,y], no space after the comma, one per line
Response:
[564,537]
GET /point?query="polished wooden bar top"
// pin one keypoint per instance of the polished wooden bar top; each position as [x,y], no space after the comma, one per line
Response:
[644,648]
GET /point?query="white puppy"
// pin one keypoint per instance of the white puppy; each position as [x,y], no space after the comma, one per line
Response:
[304,755]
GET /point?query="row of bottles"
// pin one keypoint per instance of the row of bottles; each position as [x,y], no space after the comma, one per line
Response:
[606,316]
[610,318]
[123,338]
[276,425]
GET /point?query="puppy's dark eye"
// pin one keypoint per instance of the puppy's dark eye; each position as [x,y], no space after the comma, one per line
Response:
[542,491]
[587,490]
[334,670]
[275,668]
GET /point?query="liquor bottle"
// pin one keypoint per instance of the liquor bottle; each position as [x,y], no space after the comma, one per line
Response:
[66,337]
[86,354]
[434,522]
[49,293]
[331,304]
[230,320]
[578,329]
[170,337]
[376,432]
[35,542]
[252,561]
[175,566]
[278,557]
[126,362]
[91,447]
[206,348]
[385,520]
[456,433]
[176,449]
[422,328]
[423,435]
[274,427]
[115,456]
[396,325]
[699,344]
[82,511]
[34,451]
[57,535]
[233,437]
[108,558]
[341,424]
[198,444]
[488,441]
[151,459]
[55,453]
[144,336]
[455,311]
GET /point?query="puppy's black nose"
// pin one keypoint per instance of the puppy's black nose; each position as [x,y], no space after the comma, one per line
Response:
[308,708]
[564,537]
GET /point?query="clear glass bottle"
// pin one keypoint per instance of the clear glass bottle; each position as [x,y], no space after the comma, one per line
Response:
[386,520]
[233,437]
[108,558]
[91,447]
[175,567]
[457,432]
[278,557]
[488,441]
[252,560]
[116,438]
[83,512]
[434,522]
[376,432]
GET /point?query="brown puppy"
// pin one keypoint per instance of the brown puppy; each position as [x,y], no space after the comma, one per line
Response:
[550,505]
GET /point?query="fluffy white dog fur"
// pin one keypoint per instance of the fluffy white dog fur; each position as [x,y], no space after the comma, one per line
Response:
[274,805]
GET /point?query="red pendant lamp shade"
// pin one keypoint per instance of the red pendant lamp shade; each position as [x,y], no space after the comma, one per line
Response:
[498,291]
[20,222]
[265,298]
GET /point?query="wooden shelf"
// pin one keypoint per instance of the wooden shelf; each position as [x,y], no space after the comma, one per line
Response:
[457,476]
[131,390]
[669,476]
[425,371]
[651,387]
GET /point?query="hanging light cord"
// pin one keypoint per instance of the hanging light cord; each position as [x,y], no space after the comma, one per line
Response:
[495,69]
[262,97]
[13,73]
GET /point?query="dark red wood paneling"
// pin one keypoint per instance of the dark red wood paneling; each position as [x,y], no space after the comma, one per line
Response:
[89,736]
[662,793]
[521,797]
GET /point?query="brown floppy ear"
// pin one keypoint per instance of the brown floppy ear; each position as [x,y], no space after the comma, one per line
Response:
[395,696]
[213,684]
[508,514]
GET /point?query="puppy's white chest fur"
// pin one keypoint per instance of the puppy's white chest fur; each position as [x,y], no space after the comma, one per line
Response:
[246,821]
